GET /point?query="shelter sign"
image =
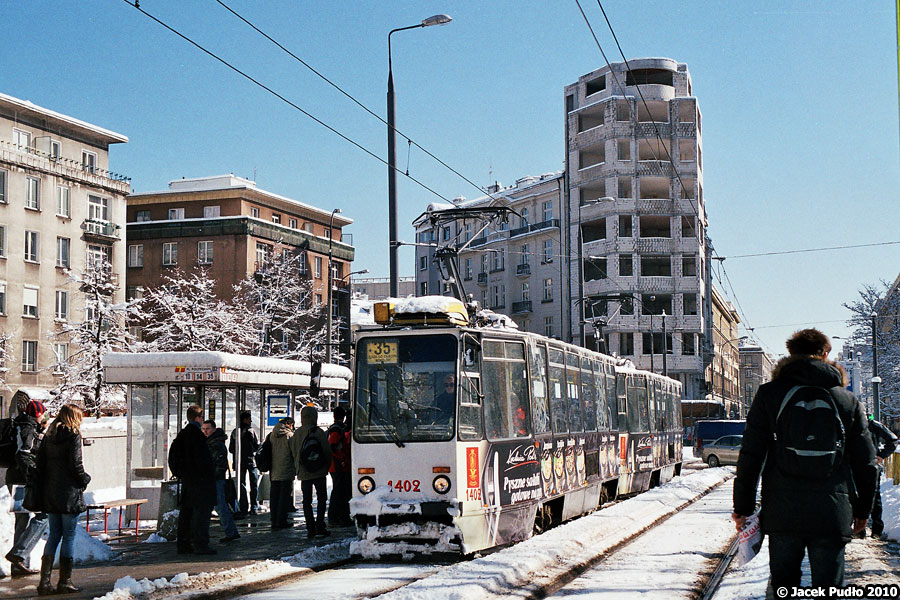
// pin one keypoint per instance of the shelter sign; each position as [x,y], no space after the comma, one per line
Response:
[278,406]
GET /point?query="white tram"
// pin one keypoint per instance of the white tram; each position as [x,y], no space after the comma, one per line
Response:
[468,437]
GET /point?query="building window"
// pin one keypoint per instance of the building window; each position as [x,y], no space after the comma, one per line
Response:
[63,206]
[30,301]
[469,230]
[688,266]
[2,297]
[292,223]
[89,161]
[526,292]
[548,210]
[655,226]
[304,267]
[309,228]
[498,296]
[98,209]
[446,233]
[690,304]
[3,241]
[61,353]
[626,344]
[170,254]
[3,187]
[136,255]
[62,252]
[525,256]
[62,304]
[548,326]
[176,214]
[623,110]
[688,344]
[484,261]
[99,256]
[32,246]
[423,263]
[211,212]
[263,253]
[594,269]
[623,149]
[319,300]
[133,292]
[468,271]
[626,265]
[318,267]
[29,356]
[654,343]
[142,215]
[21,138]
[423,288]
[499,259]
[624,184]
[55,149]
[205,253]
[33,193]
[276,218]
[254,212]
[548,251]
[687,227]
[548,290]
[625,226]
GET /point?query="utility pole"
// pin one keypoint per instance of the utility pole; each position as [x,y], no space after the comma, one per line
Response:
[876,380]
[665,347]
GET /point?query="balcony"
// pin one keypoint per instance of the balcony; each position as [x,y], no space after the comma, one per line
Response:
[523,270]
[31,158]
[482,278]
[103,231]
[521,307]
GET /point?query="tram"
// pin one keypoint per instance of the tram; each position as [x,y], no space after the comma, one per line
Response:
[470,434]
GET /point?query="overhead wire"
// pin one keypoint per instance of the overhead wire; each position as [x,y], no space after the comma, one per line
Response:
[283,99]
[356,101]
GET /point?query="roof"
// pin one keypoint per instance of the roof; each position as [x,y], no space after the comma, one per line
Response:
[31,109]
[232,182]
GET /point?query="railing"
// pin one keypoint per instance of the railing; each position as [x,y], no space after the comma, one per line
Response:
[523,269]
[65,167]
[521,307]
[479,241]
[534,227]
[102,229]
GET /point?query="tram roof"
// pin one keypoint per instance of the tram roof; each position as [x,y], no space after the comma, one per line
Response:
[218,367]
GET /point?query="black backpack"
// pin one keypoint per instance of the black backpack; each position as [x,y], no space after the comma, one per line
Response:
[8,443]
[264,456]
[312,454]
[809,434]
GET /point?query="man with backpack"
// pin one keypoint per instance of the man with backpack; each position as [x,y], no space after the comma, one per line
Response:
[26,431]
[807,436]
[339,440]
[309,446]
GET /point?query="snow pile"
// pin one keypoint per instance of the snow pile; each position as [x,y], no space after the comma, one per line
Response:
[488,318]
[104,495]
[91,427]
[128,587]
[155,538]
[533,564]
[7,528]
[87,549]
[890,502]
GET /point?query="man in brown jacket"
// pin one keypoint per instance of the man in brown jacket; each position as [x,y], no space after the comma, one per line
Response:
[312,456]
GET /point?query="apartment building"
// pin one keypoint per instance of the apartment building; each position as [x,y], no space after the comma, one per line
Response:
[756,369]
[636,218]
[724,399]
[514,267]
[60,206]
[227,225]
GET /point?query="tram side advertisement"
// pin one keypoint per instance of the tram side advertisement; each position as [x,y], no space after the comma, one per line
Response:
[512,474]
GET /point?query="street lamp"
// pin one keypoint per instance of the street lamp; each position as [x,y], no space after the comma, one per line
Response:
[392,159]
[329,309]
[876,412]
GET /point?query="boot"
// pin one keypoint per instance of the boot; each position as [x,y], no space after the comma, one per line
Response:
[65,585]
[44,588]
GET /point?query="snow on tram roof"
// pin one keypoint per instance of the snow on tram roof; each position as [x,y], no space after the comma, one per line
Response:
[237,362]
[426,304]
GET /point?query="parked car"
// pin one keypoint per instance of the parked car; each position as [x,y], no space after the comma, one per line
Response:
[723,451]
[708,431]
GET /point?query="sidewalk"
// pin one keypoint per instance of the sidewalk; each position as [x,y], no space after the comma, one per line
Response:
[151,561]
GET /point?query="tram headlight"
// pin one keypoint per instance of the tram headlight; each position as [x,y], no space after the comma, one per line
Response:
[365,485]
[441,484]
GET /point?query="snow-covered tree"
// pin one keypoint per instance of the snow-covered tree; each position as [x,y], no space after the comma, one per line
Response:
[279,296]
[184,314]
[6,357]
[884,301]
[102,330]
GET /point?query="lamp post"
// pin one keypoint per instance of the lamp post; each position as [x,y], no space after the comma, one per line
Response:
[581,262]
[329,308]
[392,159]
[665,346]
[876,380]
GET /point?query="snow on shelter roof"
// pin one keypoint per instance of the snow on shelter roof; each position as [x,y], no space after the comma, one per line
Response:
[126,367]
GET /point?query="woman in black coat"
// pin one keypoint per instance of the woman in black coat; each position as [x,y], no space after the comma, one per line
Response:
[59,492]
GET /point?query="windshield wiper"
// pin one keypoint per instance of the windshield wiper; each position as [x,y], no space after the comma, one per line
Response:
[373,410]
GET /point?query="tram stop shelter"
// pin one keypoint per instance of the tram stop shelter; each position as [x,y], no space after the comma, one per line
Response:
[160,386]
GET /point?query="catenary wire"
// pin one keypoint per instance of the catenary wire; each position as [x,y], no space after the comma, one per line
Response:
[354,100]
[822,249]
[283,99]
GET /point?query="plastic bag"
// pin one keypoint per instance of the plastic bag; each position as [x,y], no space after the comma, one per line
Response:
[749,541]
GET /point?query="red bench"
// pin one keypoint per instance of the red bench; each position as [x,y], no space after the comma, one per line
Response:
[121,505]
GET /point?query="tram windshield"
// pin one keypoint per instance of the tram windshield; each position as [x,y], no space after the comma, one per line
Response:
[406,389]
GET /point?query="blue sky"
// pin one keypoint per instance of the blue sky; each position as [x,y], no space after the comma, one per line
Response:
[799,103]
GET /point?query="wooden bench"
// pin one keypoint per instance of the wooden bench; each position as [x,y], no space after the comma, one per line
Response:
[121,505]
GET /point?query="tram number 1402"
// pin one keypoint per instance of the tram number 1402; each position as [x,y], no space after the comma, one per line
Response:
[404,485]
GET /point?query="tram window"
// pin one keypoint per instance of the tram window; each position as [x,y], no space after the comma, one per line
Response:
[588,395]
[637,405]
[573,391]
[611,404]
[506,409]
[540,409]
[557,392]
[601,398]
[470,422]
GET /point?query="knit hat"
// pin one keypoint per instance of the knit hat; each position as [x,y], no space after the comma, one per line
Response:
[35,409]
